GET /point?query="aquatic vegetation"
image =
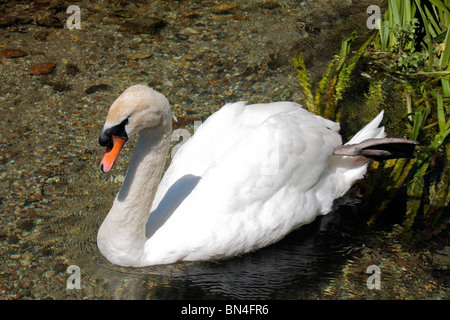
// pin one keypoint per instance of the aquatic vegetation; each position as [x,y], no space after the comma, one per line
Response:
[411,49]
[413,36]
[334,82]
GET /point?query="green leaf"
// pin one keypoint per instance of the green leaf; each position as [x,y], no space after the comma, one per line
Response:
[418,120]
[440,5]
[304,81]
[445,56]
[440,112]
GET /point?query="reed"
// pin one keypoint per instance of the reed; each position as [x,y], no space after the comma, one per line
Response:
[414,39]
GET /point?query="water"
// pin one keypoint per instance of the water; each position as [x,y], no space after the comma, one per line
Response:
[297,267]
[54,196]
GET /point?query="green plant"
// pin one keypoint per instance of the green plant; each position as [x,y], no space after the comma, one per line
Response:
[428,69]
[411,48]
[334,82]
[415,47]
[304,81]
[398,25]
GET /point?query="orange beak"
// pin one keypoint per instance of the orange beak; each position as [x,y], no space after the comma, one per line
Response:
[112,153]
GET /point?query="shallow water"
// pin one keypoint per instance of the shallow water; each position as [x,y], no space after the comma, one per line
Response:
[206,54]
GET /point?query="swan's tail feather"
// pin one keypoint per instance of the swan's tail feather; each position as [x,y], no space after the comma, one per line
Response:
[371,143]
[379,149]
[370,131]
[349,162]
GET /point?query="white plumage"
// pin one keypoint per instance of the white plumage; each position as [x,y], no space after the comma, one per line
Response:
[248,176]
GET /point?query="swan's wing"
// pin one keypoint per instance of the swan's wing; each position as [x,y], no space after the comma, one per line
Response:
[288,150]
[276,142]
[215,137]
[254,192]
[244,154]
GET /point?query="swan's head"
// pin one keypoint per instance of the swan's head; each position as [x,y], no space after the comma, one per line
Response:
[137,108]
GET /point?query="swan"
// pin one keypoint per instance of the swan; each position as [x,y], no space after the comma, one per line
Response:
[248,176]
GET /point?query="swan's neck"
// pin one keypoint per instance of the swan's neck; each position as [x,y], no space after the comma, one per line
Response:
[121,237]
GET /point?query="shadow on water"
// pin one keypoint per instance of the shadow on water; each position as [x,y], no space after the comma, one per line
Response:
[296,267]
[290,269]
[301,266]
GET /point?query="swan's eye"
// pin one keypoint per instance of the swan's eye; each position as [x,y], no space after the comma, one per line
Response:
[118,130]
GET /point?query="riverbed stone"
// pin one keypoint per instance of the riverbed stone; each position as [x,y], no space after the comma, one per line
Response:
[41,68]
[11,53]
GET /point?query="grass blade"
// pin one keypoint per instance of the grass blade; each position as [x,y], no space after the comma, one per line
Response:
[440,5]
[445,56]
[440,112]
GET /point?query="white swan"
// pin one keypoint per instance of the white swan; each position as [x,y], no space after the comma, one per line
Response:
[249,176]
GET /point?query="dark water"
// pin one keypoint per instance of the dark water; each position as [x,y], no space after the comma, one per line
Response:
[298,267]
[327,259]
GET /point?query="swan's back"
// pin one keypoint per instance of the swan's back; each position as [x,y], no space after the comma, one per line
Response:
[254,128]
[247,175]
